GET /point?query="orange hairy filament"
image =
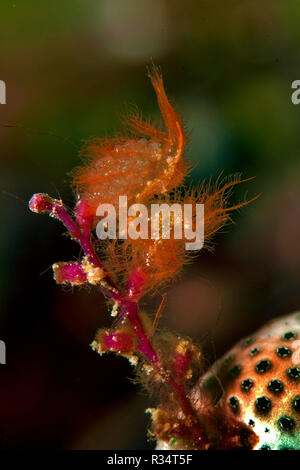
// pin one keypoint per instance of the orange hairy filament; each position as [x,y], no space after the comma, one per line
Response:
[157,316]
[147,162]
[148,166]
[162,259]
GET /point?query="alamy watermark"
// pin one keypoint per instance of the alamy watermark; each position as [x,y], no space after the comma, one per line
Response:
[295,97]
[2,92]
[2,352]
[185,221]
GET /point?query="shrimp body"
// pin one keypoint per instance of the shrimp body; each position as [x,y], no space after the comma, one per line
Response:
[148,162]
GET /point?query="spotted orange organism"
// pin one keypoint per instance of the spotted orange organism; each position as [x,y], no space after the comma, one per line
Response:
[261,384]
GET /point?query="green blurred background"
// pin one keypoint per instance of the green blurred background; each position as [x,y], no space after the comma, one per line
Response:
[70,69]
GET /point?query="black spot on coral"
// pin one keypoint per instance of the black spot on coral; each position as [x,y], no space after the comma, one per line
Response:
[235,371]
[286,423]
[246,342]
[263,404]
[251,422]
[263,366]
[275,386]
[289,335]
[283,352]
[211,381]
[254,351]
[294,373]
[265,447]
[234,404]
[228,360]
[296,403]
[246,385]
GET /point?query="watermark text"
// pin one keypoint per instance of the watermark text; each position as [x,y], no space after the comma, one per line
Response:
[2,92]
[160,221]
[2,352]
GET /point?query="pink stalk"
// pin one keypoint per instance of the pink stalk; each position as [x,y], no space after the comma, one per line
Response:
[42,203]
[81,232]
[130,311]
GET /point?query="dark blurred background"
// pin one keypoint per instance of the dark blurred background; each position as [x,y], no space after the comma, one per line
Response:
[70,68]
